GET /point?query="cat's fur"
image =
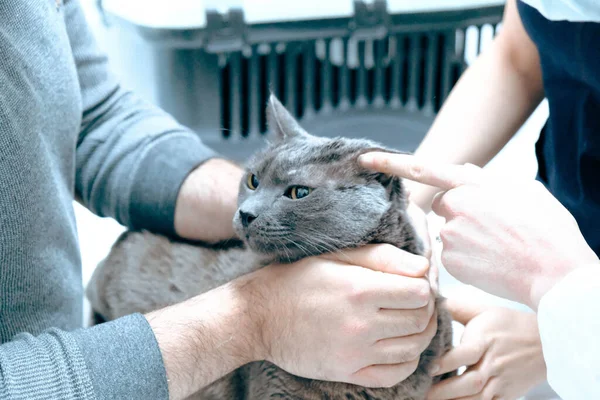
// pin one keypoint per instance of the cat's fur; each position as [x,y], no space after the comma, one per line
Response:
[348,207]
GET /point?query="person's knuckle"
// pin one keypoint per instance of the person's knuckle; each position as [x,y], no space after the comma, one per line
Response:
[412,352]
[358,294]
[456,201]
[377,381]
[480,347]
[491,368]
[388,382]
[430,333]
[449,200]
[382,162]
[368,378]
[385,356]
[449,231]
[354,379]
[409,368]
[478,381]
[419,321]
[355,290]
[419,262]
[365,381]
[355,327]
[496,385]
[445,234]
[421,291]
[446,258]
[416,171]
[488,393]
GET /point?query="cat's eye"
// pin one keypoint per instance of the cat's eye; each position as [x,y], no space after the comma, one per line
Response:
[297,192]
[252,181]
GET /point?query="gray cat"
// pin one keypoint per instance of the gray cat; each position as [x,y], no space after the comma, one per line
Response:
[302,196]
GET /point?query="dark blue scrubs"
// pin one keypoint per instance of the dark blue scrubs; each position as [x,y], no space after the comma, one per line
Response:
[568,150]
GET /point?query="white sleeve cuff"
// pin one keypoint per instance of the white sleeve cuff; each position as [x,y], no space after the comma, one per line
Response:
[569,323]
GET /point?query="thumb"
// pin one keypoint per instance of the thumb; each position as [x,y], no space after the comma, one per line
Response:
[463,311]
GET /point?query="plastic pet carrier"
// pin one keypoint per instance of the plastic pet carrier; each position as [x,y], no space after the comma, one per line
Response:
[377,69]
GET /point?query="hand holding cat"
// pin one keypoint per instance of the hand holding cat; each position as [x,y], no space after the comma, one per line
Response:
[501,349]
[419,220]
[514,246]
[363,316]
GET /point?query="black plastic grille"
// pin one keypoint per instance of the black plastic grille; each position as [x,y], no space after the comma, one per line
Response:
[413,71]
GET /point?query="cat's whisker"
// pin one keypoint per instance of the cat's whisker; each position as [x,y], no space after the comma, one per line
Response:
[302,248]
[335,244]
[283,247]
[315,246]
[288,253]
[320,245]
[329,239]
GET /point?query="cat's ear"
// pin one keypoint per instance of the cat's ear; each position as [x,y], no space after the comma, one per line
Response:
[280,121]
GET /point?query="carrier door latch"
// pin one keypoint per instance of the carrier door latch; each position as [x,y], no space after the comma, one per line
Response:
[370,21]
[224,32]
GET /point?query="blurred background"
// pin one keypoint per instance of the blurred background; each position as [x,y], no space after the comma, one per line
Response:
[372,69]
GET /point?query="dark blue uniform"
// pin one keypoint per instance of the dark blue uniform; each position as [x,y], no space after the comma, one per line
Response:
[568,150]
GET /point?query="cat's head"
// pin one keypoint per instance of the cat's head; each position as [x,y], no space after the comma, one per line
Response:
[306,195]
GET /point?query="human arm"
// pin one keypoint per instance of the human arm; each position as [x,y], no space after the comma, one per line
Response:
[487,106]
[526,248]
[132,158]
[322,318]
[329,318]
[501,349]
[508,352]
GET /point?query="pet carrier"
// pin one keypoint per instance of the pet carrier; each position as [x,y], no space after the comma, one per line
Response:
[378,69]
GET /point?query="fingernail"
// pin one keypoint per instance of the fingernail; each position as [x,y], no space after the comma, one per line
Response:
[365,159]
[434,369]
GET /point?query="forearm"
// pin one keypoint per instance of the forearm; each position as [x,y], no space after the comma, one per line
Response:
[492,99]
[132,157]
[207,202]
[206,337]
[118,360]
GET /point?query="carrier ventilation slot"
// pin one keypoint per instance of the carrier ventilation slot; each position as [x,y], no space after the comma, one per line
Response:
[414,72]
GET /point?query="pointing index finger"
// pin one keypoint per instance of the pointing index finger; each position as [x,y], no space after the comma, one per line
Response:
[443,176]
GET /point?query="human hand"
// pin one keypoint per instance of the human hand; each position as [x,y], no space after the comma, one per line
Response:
[418,219]
[363,316]
[207,202]
[501,349]
[509,238]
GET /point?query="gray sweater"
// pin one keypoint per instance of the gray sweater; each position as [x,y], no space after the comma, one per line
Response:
[67,129]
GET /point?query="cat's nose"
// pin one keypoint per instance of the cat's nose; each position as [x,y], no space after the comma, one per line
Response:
[246,218]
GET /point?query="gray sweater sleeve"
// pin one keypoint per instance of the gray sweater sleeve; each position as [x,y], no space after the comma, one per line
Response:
[116,360]
[131,156]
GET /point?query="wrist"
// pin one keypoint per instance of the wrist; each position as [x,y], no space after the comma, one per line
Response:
[544,281]
[203,339]
[207,202]
[249,294]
